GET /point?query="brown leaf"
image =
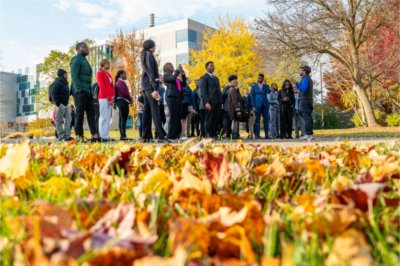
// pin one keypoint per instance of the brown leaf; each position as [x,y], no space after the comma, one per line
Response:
[120,158]
[217,169]
[87,212]
[200,145]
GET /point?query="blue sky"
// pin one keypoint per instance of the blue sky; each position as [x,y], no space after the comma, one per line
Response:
[29,29]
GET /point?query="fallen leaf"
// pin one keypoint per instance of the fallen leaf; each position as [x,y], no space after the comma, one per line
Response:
[16,161]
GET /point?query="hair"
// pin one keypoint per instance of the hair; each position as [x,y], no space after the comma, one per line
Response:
[209,63]
[167,66]
[232,77]
[79,45]
[147,45]
[103,62]
[261,75]
[119,74]
[284,83]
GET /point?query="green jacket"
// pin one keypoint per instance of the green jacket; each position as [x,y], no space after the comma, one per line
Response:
[81,75]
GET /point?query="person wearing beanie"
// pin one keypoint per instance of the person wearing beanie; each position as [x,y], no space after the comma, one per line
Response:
[150,83]
[235,106]
[305,88]
[60,95]
[227,121]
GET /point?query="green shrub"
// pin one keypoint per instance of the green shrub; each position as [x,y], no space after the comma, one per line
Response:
[393,120]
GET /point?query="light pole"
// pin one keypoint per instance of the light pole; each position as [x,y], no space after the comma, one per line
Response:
[322,98]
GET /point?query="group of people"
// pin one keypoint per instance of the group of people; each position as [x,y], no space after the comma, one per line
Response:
[176,111]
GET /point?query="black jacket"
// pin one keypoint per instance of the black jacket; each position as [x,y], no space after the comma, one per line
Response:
[210,90]
[150,75]
[282,94]
[246,104]
[60,90]
[225,97]
[172,88]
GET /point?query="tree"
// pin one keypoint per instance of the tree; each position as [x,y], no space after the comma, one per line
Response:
[54,61]
[232,50]
[338,29]
[127,47]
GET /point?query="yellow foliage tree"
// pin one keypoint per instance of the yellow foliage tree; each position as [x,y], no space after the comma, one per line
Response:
[282,68]
[232,50]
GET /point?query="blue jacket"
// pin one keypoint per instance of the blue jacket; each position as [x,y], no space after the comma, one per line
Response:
[188,98]
[258,97]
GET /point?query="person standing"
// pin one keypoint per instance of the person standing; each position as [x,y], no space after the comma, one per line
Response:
[227,121]
[123,99]
[235,107]
[297,123]
[286,100]
[60,94]
[273,112]
[174,99]
[150,83]
[161,92]
[81,75]
[106,99]
[212,100]
[306,101]
[140,103]
[187,109]
[260,104]
[202,112]
[195,131]
[95,99]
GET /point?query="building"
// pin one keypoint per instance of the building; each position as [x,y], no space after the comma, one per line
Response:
[100,52]
[8,101]
[175,39]
[28,84]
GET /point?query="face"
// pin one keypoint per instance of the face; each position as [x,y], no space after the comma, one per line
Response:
[246,91]
[274,87]
[123,76]
[302,73]
[107,66]
[234,83]
[152,49]
[211,68]
[260,79]
[83,50]
[287,85]
[65,76]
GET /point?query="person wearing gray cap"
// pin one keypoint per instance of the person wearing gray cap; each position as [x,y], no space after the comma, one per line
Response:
[306,101]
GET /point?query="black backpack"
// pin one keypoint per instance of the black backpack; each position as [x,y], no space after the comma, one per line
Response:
[95,91]
[50,92]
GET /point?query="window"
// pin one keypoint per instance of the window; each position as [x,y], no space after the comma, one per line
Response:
[182,58]
[33,92]
[186,37]
[22,78]
[22,94]
[24,86]
[26,101]
[192,36]
[181,36]
[28,108]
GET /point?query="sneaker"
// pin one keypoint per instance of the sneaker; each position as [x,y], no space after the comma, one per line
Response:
[125,139]
[69,139]
[303,137]
[94,140]
[184,138]
[163,140]
[104,140]
[81,139]
[310,137]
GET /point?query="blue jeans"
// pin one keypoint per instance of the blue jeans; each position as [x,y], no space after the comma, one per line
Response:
[262,111]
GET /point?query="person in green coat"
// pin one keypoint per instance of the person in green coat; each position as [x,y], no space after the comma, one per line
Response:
[81,75]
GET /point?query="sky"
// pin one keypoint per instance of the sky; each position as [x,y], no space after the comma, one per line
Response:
[30,29]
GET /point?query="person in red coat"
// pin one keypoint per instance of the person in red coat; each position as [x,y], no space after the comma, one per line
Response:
[106,99]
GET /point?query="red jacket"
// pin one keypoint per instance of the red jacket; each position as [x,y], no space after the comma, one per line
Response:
[106,87]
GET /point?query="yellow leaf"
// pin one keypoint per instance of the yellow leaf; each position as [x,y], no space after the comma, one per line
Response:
[16,161]
[155,181]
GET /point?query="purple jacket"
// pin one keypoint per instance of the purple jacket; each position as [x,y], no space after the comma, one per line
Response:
[122,91]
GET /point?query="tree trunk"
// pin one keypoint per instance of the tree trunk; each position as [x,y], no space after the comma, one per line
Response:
[366,106]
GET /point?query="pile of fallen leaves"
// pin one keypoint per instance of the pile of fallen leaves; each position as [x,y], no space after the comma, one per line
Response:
[199,204]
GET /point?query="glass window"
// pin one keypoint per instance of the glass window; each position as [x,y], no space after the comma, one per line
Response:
[192,36]
[22,94]
[22,78]
[26,70]
[181,36]
[24,86]
[182,58]
[26,100]
[28,108]
[33,92]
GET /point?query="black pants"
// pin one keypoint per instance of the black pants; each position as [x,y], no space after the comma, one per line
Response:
[203,123]
[84,104]
[140,115]
[123,107]
[286,121]
[195,127]
[162,114]
[306,108]
[151,111]
[211,121]
[175,109]
[96,108]
[227,124]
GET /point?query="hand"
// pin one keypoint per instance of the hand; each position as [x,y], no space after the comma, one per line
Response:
[155,95]
[254,109]
[286,99]
[207,106]
[293,81]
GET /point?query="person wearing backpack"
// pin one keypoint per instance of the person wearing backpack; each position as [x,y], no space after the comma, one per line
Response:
[59,92]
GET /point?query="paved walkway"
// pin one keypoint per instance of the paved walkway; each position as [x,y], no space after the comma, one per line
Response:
[286,142]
